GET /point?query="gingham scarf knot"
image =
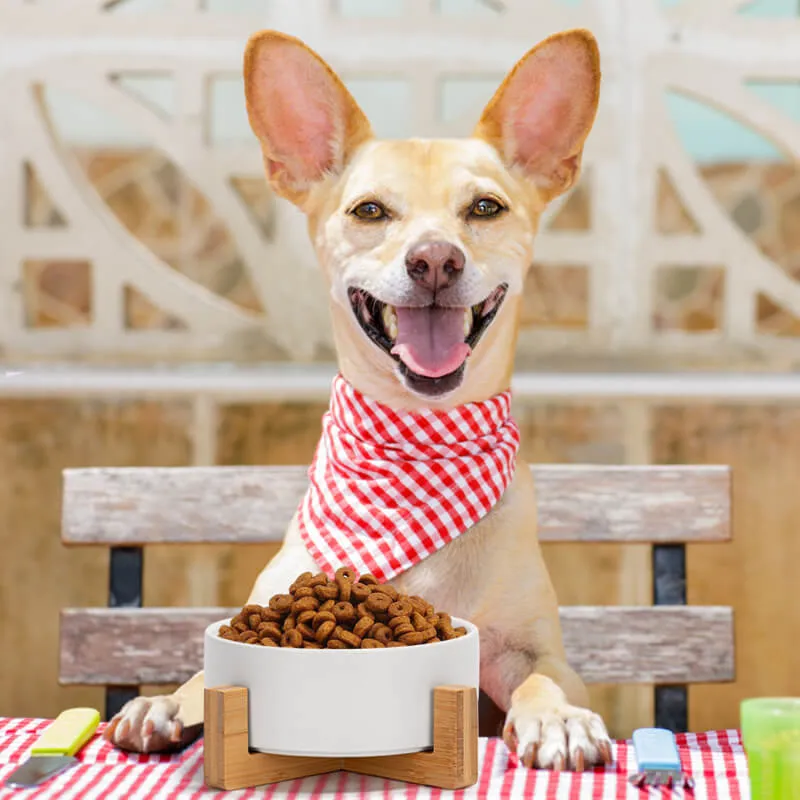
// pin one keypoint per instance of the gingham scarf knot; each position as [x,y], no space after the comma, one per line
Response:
[389,488]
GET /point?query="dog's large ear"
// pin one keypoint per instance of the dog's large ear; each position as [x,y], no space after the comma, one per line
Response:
[306,120]
[543,111]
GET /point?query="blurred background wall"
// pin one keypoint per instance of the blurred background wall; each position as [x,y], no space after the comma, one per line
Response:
[158,306]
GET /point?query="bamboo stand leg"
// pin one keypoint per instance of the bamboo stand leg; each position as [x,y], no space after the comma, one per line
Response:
[228,760]
[452,764]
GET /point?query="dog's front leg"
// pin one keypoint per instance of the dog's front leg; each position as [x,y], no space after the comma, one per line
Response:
[548,724]
[171,721]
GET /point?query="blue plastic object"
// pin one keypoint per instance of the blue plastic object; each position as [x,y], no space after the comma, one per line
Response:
[657,759]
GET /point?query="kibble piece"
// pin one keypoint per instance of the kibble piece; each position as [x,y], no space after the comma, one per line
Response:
[345,589]
[344,582]
[307,632]
[418,621]
[383,633]
[400,608]
[306,617]
[378,601]
[348,637]
[395,621]
[387,588]
[305,604]
[323,616]
[301,581]
[327,591]
[344,612]
[292,638]
[359,592]
[363,626]
[270,630]
[402,630]
[428,634]
[281,602]
[419,604]
[325,630]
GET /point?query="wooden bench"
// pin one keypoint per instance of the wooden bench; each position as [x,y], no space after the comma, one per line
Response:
[668,644]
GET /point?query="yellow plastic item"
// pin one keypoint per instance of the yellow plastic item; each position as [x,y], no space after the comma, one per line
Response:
[70,731]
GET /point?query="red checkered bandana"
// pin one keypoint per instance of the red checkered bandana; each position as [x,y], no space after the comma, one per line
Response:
[388,488]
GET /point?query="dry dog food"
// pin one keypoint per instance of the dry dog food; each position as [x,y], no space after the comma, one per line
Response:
[345,613]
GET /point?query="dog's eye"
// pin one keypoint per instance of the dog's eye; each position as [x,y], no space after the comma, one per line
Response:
[369,210]
[485,207]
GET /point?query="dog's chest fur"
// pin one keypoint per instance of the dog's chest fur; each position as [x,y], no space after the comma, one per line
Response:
[462,575]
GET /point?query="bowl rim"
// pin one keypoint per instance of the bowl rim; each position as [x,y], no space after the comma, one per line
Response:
[472,633]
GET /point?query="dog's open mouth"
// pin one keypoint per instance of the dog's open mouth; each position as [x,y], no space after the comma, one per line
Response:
[431,344]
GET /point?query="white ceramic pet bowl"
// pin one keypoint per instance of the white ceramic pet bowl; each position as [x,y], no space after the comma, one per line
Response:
[341,703]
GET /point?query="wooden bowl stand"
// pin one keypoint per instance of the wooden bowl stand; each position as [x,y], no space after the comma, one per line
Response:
[452,764]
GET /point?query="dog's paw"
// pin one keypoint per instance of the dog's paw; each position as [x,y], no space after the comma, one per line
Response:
[561,738]
[147,725]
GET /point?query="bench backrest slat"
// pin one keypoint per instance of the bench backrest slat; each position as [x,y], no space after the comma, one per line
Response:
[605,644]
[138,505]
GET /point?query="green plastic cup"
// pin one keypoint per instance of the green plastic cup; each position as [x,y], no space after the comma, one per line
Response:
[771,738]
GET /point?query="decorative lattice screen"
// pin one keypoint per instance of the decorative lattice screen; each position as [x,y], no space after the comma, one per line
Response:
[134,222]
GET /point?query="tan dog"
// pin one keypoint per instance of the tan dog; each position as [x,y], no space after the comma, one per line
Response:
[438,234]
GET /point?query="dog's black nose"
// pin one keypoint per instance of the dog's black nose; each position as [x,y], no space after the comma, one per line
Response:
[436,265]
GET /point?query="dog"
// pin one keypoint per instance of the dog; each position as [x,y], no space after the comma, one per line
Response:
[423,229]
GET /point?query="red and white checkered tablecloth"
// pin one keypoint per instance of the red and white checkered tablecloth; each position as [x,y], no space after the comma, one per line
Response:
[715,760]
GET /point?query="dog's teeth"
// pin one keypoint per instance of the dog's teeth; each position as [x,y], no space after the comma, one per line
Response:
[390,322]
[467,321]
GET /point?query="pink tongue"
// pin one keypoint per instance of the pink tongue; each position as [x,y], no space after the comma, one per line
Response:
[430,341]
